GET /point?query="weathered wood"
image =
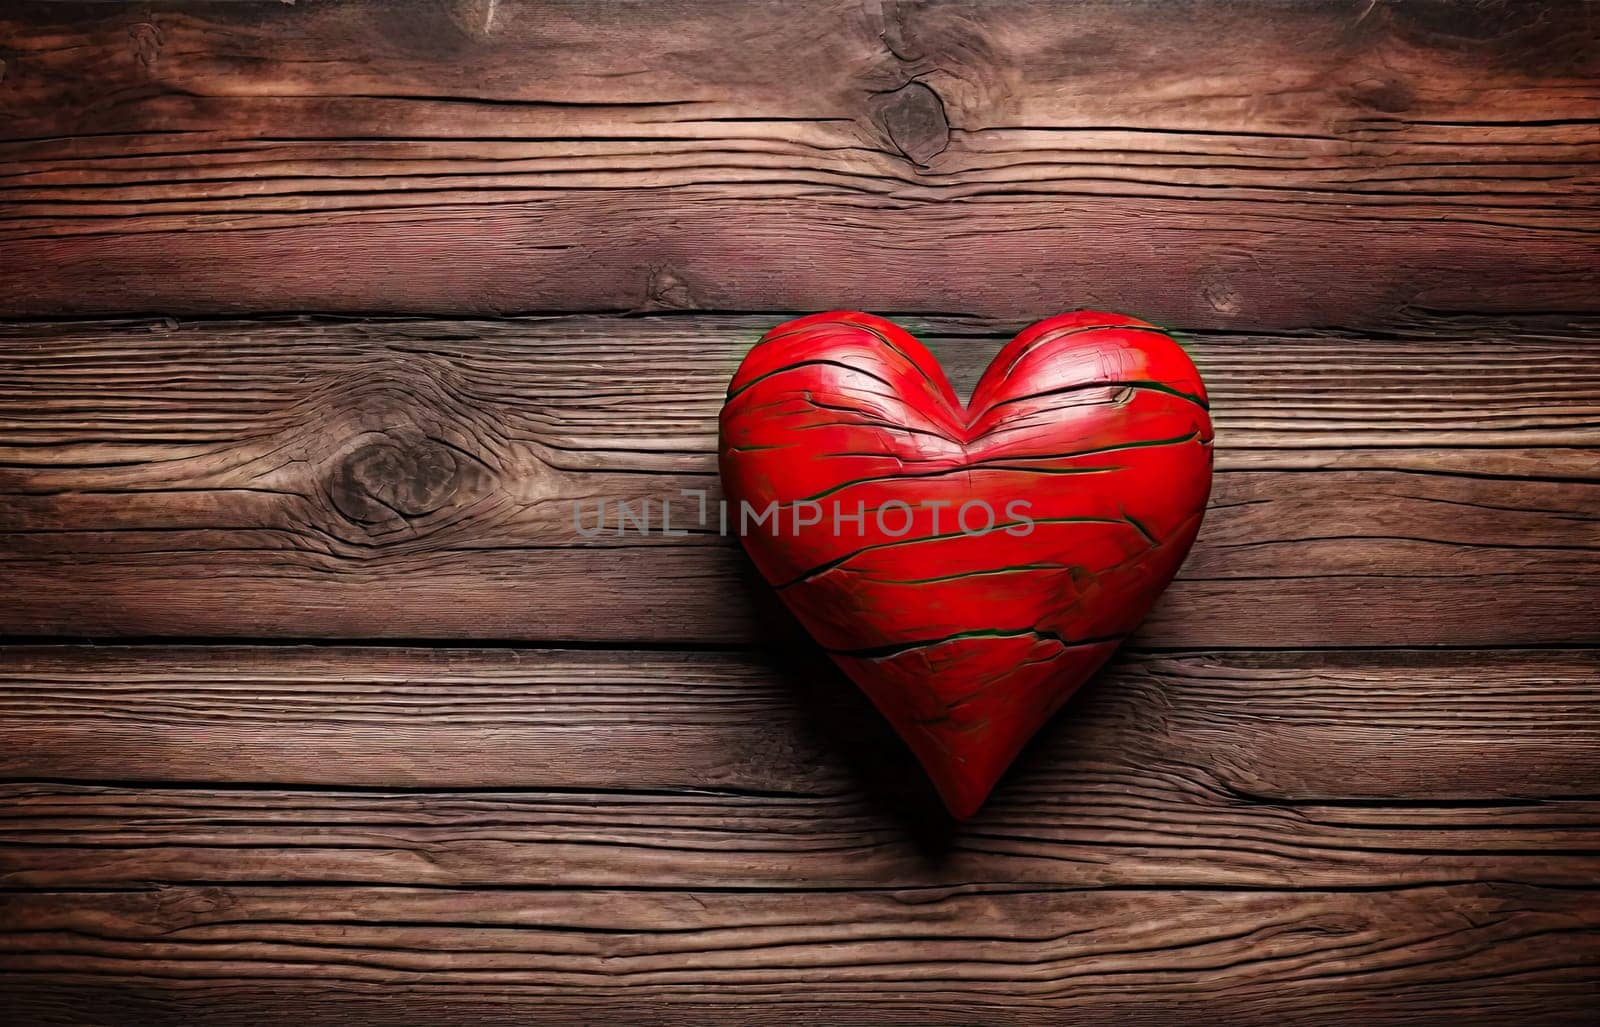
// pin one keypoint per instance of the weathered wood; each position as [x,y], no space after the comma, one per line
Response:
[1378,222]
[1480,953]
[1238,165]
[125,766]
[1435,487]
[1258,837]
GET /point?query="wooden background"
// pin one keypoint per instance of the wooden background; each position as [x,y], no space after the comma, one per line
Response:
[318,316]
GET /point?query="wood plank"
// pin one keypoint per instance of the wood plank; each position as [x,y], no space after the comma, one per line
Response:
[1485,953]
[1437,486]
[120,767]
[1245,165]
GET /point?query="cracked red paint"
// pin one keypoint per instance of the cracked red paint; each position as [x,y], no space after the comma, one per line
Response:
[1087,439]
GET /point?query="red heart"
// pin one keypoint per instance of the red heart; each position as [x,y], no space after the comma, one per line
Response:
[967,640]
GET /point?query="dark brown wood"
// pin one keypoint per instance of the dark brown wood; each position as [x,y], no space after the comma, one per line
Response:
[1376,224]
[122,767]
[1239,165]
[232,954]
[306,464]
[1260,836]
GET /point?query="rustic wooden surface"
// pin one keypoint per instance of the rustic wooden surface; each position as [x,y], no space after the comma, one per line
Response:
[1451,468]
[318,318]
[1265,164]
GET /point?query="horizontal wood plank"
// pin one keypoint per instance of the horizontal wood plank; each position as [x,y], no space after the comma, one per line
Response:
[1367,837]
[1434,487]
[222,765]
[1483,953]
[1243,165]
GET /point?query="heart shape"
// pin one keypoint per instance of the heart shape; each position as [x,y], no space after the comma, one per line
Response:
[859,485]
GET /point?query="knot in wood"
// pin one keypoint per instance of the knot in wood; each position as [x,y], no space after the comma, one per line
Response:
[914,119]
[147,43]
[1386,96]
[401,474]
[666,291]
[177,908]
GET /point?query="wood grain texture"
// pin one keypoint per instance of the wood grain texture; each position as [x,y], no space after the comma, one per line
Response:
[1396,957]
[1358,836]
[306,463]
[1241,165]
[222,765]
[1348,773]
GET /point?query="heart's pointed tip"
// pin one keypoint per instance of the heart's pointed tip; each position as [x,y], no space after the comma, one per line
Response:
[963,798]
[963,811]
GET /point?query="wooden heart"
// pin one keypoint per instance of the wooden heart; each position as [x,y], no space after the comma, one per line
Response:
[968,568]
